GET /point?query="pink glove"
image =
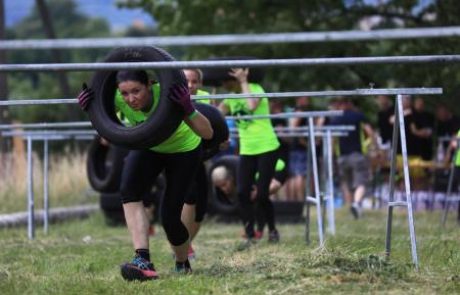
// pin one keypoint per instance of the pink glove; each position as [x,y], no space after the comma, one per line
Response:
[85,97]
[181,96]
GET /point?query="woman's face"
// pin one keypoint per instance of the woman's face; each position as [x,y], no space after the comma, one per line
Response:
[193,81]
[136,95]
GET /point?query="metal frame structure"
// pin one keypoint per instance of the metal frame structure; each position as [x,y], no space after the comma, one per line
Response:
[330,93]
[234,39]
[287,62]
[298,62]
[30,137]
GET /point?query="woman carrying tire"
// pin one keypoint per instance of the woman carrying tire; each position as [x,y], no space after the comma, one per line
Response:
[179,156]
[258,152]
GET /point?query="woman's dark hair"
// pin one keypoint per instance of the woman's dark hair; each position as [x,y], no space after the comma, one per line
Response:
[133,75]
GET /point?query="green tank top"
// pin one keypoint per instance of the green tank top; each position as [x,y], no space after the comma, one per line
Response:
[182,140]
[457,156]
[202,92]
[257,136]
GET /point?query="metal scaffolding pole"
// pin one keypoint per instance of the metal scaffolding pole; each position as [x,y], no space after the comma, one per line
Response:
[234,39]
[399,127]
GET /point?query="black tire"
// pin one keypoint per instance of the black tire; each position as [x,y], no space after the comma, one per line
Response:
[215,76]
[104,166]
[220,203]
[221,132]
[159,126]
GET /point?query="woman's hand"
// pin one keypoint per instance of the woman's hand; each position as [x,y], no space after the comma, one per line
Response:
[181,96]
[240,74]
[85,97]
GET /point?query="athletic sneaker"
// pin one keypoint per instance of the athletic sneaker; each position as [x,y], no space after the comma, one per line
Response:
[183,267]
[273,236]
[355,211]
[257,234]
[138,269]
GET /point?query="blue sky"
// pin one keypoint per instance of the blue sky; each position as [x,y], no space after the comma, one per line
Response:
[119,19]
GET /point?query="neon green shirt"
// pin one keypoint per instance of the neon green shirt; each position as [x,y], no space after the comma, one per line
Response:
[202,92]
[182,140]
[256,135]
[457,156]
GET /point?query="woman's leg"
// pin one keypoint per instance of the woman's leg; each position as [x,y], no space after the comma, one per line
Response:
[266,169]
[180,171]
[246,174]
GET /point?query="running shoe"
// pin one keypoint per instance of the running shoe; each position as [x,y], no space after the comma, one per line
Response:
[355,211]
[257,234]
[138,269]
[273,236]
[183,267]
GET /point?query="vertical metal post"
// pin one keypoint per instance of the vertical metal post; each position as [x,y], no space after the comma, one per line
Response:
[330,183]
[407,187]
[307,195]
[30,191]
[45,186]
[316,181]
[394,150]
[399,120]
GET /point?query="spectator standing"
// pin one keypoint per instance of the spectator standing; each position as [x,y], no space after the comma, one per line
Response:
[353,165]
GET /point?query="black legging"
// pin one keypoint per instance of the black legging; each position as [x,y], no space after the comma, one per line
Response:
[139,173]
[264,165]
[198,194]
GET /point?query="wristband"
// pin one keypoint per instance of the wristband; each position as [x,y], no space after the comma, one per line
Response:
[193,114]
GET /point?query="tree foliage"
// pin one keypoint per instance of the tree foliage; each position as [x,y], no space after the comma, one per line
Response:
[195,17]
[68,23]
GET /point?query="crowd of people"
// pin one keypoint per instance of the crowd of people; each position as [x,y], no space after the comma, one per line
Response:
[261,157]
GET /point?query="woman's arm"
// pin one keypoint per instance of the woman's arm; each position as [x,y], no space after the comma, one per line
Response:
[241,75]
[200,125]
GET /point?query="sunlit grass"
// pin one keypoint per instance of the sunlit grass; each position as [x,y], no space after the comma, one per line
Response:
[83,258]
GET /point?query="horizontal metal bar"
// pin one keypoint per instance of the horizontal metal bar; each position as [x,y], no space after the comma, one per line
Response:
[290,115]
[21,102]
[301,37]
[234,134]
[46,125]
[48,132]
[294,62]
[398,203]
[328,93]
[318,128]
[356,92]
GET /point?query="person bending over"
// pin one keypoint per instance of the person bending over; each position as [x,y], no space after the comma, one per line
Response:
[178,156]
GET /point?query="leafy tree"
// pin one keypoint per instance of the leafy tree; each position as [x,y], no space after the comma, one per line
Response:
[69,23]
[194,17]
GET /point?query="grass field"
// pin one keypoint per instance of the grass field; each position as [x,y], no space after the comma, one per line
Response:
[83,257]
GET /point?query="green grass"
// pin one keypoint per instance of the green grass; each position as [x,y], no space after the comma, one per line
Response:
[83,257]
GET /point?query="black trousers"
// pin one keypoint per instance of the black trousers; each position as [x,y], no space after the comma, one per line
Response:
[250,166]
[140,171]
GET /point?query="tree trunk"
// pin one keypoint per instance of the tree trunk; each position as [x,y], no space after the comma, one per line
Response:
[50,33]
